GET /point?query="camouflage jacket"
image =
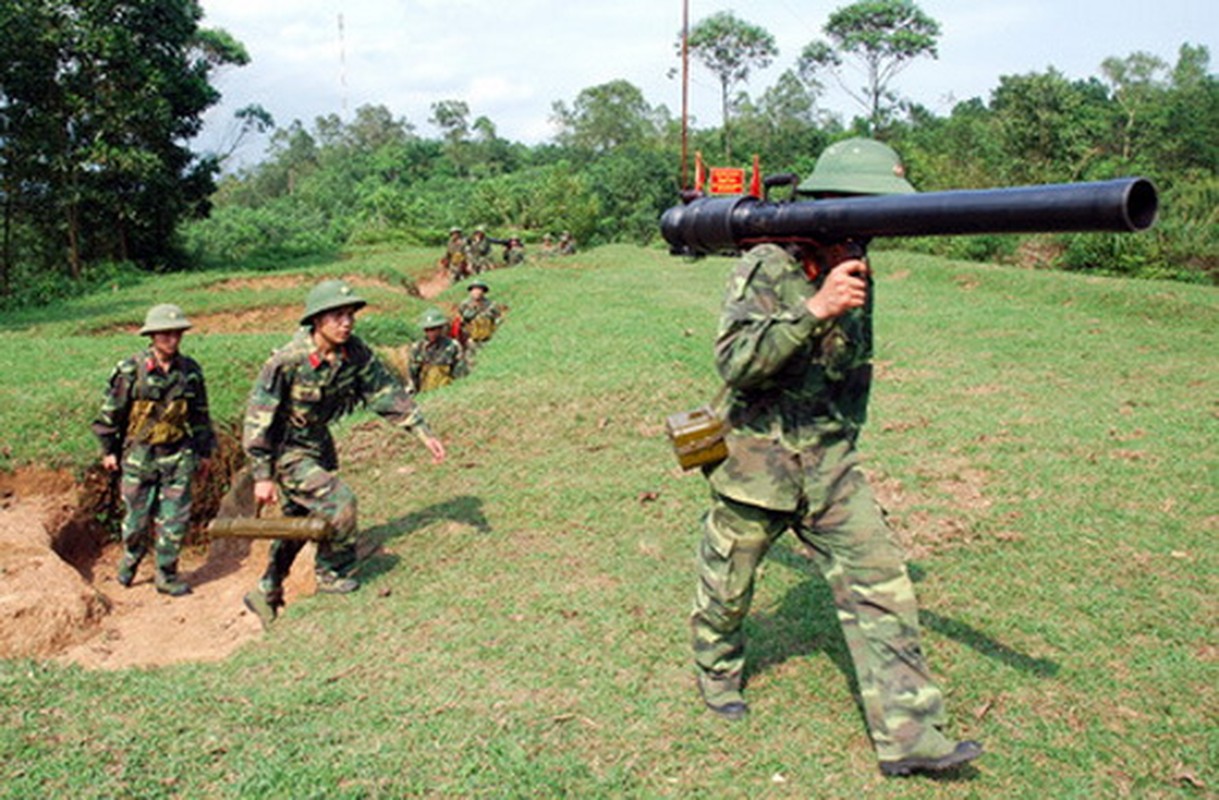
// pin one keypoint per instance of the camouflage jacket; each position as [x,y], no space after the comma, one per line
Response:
[470,310]
[455,251]
[793,381]
[479,250]
[298,394]
[444,352]
[144,405]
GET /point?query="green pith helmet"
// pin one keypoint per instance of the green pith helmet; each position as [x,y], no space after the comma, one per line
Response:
[164,317]
[478,285]
[454,230]
[857,166]
[329,295]
[433,318]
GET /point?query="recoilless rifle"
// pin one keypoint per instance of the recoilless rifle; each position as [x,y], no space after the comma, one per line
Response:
[710,225]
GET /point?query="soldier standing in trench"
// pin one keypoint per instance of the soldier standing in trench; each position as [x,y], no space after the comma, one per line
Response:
[154,426]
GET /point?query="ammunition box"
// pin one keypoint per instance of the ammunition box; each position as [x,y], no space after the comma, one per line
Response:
[697,437]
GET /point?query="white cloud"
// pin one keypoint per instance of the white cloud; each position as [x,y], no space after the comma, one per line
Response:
[511,60]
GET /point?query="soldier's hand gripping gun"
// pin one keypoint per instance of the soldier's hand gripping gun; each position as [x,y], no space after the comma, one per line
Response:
[708,225]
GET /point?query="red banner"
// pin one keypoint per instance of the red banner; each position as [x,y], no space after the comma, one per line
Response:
[727,180]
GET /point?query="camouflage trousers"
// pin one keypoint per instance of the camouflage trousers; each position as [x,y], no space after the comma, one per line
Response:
[865,567]
[156,491]
[308,489]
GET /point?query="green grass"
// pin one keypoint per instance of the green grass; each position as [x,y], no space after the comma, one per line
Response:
[1046,444]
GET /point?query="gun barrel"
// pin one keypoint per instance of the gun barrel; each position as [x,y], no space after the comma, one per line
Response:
[719,224]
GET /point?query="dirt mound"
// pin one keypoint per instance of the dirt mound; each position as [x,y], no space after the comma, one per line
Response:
[248,320]
[46,605]
[59,598]
[432,285]
[302,282]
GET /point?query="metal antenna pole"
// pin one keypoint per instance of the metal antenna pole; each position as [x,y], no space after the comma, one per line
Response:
[685,90]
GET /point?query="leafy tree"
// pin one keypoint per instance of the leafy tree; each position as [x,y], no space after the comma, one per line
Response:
[784,126]
[1184,140]
[1139,81]
[882,36]
[1051,129]
[452,117]
[98,101]
[605,117]
[731,48]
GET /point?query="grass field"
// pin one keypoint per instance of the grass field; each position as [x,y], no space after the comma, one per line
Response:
[1047,445]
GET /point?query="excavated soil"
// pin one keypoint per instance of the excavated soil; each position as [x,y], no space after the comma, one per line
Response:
[59,599]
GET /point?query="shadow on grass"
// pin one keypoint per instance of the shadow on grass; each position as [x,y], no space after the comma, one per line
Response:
[375,560]
[806,622]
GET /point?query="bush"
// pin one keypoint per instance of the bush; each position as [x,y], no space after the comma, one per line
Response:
[271,234]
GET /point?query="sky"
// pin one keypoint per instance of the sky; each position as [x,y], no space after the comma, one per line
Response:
[509,60]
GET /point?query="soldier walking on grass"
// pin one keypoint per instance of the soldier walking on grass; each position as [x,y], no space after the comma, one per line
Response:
[154,426]
[322,374]
[436,360]
[794,348]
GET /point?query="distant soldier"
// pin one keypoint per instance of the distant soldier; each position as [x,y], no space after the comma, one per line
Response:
[548,248]
[455,260]
[480,315]
[435,360]
[322,374]
[514,252]
[567,244]
[155,420]
[479,251]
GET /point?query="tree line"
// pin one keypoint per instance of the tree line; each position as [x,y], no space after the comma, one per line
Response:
[98,100]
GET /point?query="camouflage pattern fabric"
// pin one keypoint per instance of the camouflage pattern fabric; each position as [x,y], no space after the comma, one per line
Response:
[296,396]
[455,258]
[514,256]
[797,397]
[435,364]
[158,424]
[479,255]
[156,491]
[479,318]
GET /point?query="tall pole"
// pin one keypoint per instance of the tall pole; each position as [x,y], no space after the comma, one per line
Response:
[685,89]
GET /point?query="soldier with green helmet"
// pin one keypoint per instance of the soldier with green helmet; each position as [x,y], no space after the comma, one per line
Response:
[436,360]
[479,251]
[456,256]
[155,427]
[323,373]
[794,348]
[514,252]
[480,315]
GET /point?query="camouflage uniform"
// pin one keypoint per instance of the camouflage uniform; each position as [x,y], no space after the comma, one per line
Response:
[479,319]
[798,397]
[456,257]
[157,423]
[436,364]
[514,253]
[479,253]
[297,395]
